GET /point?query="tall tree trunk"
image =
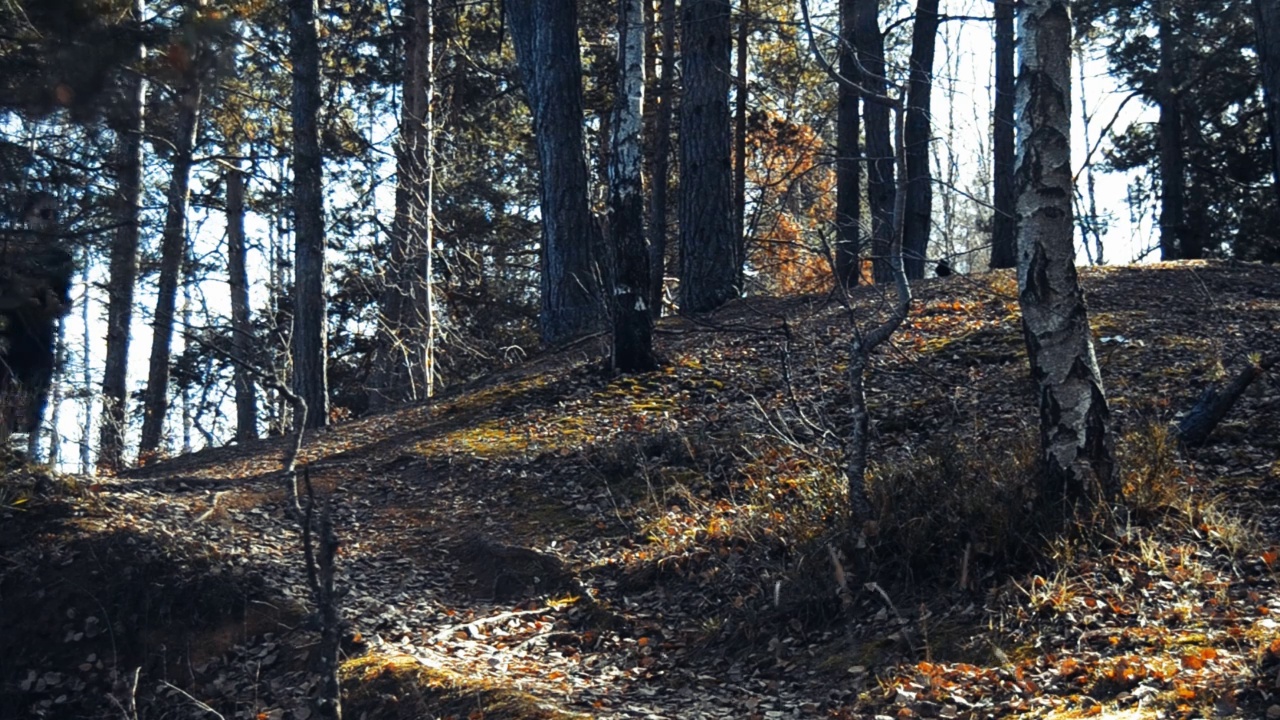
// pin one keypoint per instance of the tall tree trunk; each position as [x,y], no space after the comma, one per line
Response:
[310,376]
[848,148]
[710,266]
[86,369]
[918,132]
[173,249]
[1267,21]
[406,319]
[1172,162]
[242,341]
[545,34]
[740,135]
[1075,433]
[55,402]
[880,181]
[1004,223]
[660,179]
[122,273]
[1090,226]
[632,323]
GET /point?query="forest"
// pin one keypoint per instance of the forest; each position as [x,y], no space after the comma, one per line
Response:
[643,358]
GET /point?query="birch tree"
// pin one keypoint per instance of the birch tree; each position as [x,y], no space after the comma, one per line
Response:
[1075,433]
[632,322]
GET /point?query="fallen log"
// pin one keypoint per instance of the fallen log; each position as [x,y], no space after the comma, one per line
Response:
[1215,403]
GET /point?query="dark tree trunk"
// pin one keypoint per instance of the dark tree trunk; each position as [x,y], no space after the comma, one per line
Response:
[123,269]
[1267,19]
[848,148]
[242,342]
[545,34]
[400,373]
[1172,162]
[1075,433]
[173,249]
[632,323]
[740,135]
[1004,223]
[917,133]
[710,266]
[310,376]
[661,181]
[880,181]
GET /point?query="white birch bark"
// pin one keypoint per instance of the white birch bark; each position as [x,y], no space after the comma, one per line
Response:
[1075,433]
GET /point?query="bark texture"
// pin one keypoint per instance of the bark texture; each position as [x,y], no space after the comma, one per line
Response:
[173,249]
[545,34]
[123,268]
[310,376]
[710,264]
[918,129]
[1173,221]
[242,342]
[848,150]
[880,180]
[1075,432]
[741,53]
[660,180]
[1004,224]
[632,322]
[1267,20]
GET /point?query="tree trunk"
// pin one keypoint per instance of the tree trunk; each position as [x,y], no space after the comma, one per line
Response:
[1267,21]
[710,266]
[173,249]
[242,341]
[1090,226]
[740,135]
[848,148]
[86,370]
[122,272]
[1075,434]
[918,132]
[632,323]
[1004,223]
[880,181]
[660,179]
[310,377]
[545,34]
[1172,163]
[406,316]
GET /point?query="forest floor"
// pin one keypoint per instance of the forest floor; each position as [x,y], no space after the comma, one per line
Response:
[556,542]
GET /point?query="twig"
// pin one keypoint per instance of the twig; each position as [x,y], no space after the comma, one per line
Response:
[203,706]
[474,625]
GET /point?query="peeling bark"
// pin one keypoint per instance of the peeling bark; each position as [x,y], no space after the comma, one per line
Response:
[1076,441]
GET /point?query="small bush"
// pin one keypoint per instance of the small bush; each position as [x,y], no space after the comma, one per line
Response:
[956,510]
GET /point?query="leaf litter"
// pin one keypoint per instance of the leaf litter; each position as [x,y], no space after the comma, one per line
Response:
[554,542]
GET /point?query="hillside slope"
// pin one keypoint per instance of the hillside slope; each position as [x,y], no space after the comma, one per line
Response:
[554,542]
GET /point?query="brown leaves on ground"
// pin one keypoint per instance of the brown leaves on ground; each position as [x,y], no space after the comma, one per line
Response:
[553,541]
